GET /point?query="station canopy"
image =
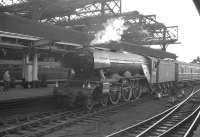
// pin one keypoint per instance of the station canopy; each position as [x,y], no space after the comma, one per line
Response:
[76,21]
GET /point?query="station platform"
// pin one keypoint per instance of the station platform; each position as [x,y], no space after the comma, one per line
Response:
[21,93]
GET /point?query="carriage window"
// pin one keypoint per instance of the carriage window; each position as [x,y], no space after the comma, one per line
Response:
[185,69]
[182,70]
[188,70]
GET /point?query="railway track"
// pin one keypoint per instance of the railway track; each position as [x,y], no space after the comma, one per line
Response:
[42,124]
[177,121]
[185,127]
[26,106]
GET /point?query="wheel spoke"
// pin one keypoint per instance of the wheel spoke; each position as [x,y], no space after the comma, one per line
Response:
[127,92]
[114,96]
[136,90]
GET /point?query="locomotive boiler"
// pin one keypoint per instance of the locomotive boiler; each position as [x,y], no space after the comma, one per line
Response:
[101,76]
[98,76]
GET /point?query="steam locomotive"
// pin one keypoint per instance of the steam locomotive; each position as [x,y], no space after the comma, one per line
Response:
[99,76]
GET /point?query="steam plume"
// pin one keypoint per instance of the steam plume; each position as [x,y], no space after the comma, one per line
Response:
[113,30]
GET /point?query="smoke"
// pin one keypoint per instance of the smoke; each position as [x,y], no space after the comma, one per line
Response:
[113,31]
[136,34]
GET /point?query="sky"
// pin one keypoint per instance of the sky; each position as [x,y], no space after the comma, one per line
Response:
[181,13]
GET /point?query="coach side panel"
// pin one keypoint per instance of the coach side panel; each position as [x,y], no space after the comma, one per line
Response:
[195,71]
[184,72]
[188,72]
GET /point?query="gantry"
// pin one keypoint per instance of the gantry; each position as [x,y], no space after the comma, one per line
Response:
[86,15]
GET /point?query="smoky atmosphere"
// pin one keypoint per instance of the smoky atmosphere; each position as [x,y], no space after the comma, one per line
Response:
[99,68]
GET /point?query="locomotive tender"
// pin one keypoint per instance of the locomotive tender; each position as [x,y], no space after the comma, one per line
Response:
[99,76]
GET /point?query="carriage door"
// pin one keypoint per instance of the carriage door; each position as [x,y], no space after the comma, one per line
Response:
[154,67]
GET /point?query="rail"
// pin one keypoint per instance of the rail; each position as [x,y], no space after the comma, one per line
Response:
[163,122]
[52,122]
